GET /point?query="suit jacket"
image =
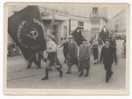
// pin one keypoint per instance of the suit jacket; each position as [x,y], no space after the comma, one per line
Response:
[107,55]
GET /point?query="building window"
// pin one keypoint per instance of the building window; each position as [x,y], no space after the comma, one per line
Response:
[95,11]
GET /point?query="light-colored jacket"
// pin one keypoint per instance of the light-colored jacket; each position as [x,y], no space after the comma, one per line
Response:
[51,46]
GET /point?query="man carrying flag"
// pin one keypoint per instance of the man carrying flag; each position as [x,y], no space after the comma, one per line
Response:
[27,31]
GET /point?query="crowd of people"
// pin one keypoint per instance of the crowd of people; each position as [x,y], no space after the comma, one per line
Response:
[79,55]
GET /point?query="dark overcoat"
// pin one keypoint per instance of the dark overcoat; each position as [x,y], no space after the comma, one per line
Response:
[107,55]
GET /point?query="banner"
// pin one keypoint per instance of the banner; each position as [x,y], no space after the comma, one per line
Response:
[26,29]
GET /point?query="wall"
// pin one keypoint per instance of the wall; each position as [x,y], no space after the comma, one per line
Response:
[118,23]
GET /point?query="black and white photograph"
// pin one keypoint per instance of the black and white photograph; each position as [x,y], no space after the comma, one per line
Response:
[64,46]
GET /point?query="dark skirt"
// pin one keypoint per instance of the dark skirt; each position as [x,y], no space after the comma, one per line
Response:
[84,63]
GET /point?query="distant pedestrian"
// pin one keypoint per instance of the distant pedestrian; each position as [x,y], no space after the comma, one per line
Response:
[103,35]
[95,51]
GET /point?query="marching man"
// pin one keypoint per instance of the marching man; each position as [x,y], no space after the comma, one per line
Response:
[52,59]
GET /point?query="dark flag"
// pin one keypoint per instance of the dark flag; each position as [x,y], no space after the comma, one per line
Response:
[26,29]
[77,35]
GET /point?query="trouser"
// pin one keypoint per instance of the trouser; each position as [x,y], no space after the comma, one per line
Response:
[95,53]
[108,69]
[36,58]
[72,61]
[53,61]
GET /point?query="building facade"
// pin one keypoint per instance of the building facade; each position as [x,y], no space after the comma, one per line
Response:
[118,23]
[63,23]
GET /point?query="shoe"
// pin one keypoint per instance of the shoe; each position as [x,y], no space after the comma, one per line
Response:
[107,79]
[68,72]
[45,78]
[80,74]
[39,67]
[111,73]
[28,67]
[86,75]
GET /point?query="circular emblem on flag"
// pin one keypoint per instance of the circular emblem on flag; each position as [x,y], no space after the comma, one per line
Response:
[30,33]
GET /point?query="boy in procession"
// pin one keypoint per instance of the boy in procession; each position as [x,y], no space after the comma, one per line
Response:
[107,56]
[52,59]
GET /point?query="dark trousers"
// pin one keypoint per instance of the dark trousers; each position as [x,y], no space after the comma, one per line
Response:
[72,61]
[84,65]
[95,53]
[108,69]
[36,60]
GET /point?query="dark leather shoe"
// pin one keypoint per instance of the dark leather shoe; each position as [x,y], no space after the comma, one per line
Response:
[86,75]
[45,78]
[68,72]
[81,73]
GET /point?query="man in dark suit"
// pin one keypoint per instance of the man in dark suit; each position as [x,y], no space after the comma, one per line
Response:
[107,56]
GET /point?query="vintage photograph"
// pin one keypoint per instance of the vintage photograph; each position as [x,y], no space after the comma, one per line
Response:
[67,46]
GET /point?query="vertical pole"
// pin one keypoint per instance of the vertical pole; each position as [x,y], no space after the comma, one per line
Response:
[69,26]
[52,21]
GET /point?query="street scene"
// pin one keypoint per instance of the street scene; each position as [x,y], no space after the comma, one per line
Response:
[67,46]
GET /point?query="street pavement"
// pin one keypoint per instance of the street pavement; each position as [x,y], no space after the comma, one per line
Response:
[20,77]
